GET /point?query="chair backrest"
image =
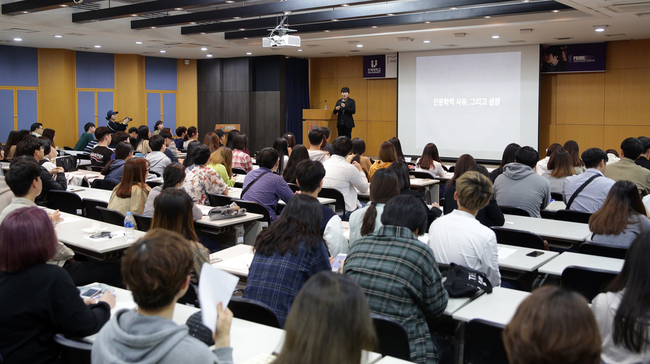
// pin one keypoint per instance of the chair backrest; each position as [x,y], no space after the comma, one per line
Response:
[521,238]
[392,337]
[72,351]
[219,200]
[294,187]
[104,184]
[421,174]
[557,196]
[238,171]
[586,281]
[68,148]
[483,343]
[111,216]
[154,184]
[96,168]
[572,216]
[65,201]
[602,250]
[511,210]
[256,208]
[142,223]
[90,205]
[255,311]
[68,162]
[337,195]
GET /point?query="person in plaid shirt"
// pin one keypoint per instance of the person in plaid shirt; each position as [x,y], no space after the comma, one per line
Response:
[240,159]
[399,274]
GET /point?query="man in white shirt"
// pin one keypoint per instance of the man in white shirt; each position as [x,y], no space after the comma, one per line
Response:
[309,177]
[315,142]
[460,238]
[343,176]
[593,195]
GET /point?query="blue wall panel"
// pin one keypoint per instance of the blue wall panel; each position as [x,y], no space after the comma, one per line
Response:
[169,111]
[18,66]
[105,103]
[95,70]
[160,73]
[86,109]
[153,109]
[27,109]
[6,114]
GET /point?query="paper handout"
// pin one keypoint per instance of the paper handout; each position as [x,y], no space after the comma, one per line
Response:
[215,286]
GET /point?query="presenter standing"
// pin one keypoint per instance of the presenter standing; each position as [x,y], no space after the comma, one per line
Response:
[345,107]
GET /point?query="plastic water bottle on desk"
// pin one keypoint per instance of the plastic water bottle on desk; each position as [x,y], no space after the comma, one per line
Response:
[129,227]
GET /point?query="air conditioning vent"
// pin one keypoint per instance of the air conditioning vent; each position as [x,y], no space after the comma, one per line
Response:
[21,30]
[638,7]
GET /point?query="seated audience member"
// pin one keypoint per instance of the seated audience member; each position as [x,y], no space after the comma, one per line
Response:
[132,192]
[86,137]
[642,160]
[367,219]
[133,136]
[464,163]
[542,165]
[551,326]
[173,211]
[5,193]
[310,180]
[223,138]
[398,148]
[265,187]
[36,129]
[559,167]
[291,139]
[10,147]
[281,145]
[460,238]
[240,159]
[158,160]
[173,177]
[358,148]
[157,271]
[612,156]
[117,138]
[621,311]
[298,154]
[315,136]
[39,299]
[181,133]
[387,155]
[142,143]
[200,179]
[345,177]
[521,187]
[189,159]
[399,274]
[49,160]
[626,169]
[621,218]
[326,136]
[51,135]
[231,135]
[101,153]
[571,146]
[326,299]
[170,147]
[51,180]
[287,253]
[212,141]
[490,215]
[91,144]
[221,161]
[507,157]
[401,170]
[192,135]
[114,169]
[593,194]
[158,127]
[430,161]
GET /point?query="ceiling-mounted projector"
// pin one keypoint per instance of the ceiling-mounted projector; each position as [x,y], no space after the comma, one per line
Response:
[279,37]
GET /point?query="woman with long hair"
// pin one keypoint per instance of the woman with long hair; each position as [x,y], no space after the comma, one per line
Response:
[158,127]
[463,164]
[173,177]
[212,141]
[189,160]
[291,139]
[507,157]
[542,164]
[398,148]
[401,170]
[299,154]
[622,311]
[358,149]
[51,135]
[621,218]
[324,301]
[559,167]
[173,210]
[281,145]
[142,142]
[387,155]
[571,146]
[132,192]
[10,146]
[287,253]
[221,161]
[430,161]
[113,170]
[240,159]
[367,219]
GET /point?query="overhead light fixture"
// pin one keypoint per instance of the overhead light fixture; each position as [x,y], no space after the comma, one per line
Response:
[495,37]
[242,28]
[138,42]
[58,36]
[192,23]
[204,48]
[97,46]
[63,5]
[230,1]
[555,11]
[25,12]
[163,51]
[335,20]
[299,50]
[359,45]
[390,14]
[426,41]
[345,5]
[600,28]
[326,31]
[18,39]
[245,37]
[453,8]
[178,9]
[427,22]
[374,27]
[249,53]
[202,33]
[209,55]
[236,17]
[134,14]
[153,27]
[487,17]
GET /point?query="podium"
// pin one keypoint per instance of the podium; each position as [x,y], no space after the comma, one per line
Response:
[319,118]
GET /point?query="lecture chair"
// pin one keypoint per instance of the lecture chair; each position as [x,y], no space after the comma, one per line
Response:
[103,184]
[525,239]
[111,216]
[556,196]
[572,216]
[90,205]
[294,187]
[256,208]
[219,200]
[68,162]
[254,311]
[65,201]
[421,174]
[190,298]
[96,168]
[483,343]
[238,171]
[511,210]
[142,223]
[72,351]
[587,281]
[392,337]
[338,196]
[602,250]
[154,184]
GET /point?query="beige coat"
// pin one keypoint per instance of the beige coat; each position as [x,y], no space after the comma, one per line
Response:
[135,203]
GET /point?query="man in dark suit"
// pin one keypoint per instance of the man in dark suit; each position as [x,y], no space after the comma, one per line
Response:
[345,108]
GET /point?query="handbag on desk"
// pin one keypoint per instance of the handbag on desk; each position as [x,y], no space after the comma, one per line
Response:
[225,212]
[466,282]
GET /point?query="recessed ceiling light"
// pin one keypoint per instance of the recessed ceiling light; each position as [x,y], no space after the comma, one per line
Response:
[230,1]
[63,5]
[359,45]
[345,5]
[25,12]
[326,31]
[138,42]
[374,27]
[335,20]
[179,9]
[249,53]
[453,8]
[97,46]
[58,36]
[390,14]
[202,33]
[487,17]
[299,50]
[556,11]
[600,28]
[427,22]
[245,37]
[18,39]
[204,48]
[426,41]
[153,27]
[209,55]
[236,17]
[163,51]
[192,22]
[134,14]
[495,37]
[242,28]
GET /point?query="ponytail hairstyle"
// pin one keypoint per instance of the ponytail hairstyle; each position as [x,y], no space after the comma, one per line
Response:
[384,186]
[173,174]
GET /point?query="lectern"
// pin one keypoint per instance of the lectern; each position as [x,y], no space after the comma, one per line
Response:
[319,118]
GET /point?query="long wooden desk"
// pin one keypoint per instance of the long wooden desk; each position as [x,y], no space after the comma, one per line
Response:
[549,229]
[556,266]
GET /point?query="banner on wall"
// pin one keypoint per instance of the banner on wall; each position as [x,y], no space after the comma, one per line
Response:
[586,57]
[380,66]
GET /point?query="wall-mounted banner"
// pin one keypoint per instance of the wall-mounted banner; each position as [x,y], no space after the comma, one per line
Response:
[380,66]
[586,57]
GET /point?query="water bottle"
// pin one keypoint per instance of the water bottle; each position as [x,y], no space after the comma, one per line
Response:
[129,227]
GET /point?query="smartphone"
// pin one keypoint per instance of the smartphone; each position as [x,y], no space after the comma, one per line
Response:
[91,292]
[534,254]
[337,262]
